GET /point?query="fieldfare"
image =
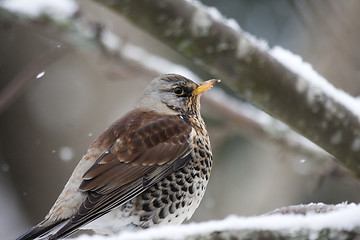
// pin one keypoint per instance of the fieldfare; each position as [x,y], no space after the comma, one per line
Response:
[150,167]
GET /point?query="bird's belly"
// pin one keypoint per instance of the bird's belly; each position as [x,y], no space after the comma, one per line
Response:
[170,201]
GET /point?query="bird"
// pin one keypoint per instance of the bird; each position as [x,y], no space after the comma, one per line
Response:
[151,167]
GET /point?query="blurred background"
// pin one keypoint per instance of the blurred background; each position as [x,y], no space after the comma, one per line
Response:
[76,90]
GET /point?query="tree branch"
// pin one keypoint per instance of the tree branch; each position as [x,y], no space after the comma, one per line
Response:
[313,221]
[247,67]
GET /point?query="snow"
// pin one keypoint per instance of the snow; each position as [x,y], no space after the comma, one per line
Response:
[243,48]
[40,75]
[309,80]
[217,15]
[344,217]
[110,40]
[59,9]
[202,21]
[66,153]
[312,81]
[214,14]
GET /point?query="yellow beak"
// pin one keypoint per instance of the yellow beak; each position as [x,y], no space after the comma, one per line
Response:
[204,86]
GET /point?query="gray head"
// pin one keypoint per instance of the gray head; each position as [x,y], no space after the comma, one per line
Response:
[173,94]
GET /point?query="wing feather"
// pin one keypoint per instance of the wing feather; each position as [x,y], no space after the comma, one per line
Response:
[145,148]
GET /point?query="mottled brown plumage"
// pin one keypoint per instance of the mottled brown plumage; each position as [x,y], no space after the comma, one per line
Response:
[150,167]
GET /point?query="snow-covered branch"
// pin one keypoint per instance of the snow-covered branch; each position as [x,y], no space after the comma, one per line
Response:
[272,79]
[313,221]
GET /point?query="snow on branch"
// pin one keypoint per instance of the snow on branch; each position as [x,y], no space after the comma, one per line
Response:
[313,221]
[293,93]
[315,80]
[58,10]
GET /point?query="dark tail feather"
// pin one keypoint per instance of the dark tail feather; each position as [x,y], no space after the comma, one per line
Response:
[64,232]
[39,231]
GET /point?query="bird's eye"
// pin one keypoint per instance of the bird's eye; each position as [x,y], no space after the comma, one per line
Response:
[178,90]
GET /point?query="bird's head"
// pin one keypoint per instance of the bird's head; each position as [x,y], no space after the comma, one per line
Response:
[174,94]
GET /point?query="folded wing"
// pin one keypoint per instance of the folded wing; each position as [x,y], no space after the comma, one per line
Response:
[145,147]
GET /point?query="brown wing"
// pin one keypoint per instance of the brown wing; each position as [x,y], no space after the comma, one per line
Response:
[146,147]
